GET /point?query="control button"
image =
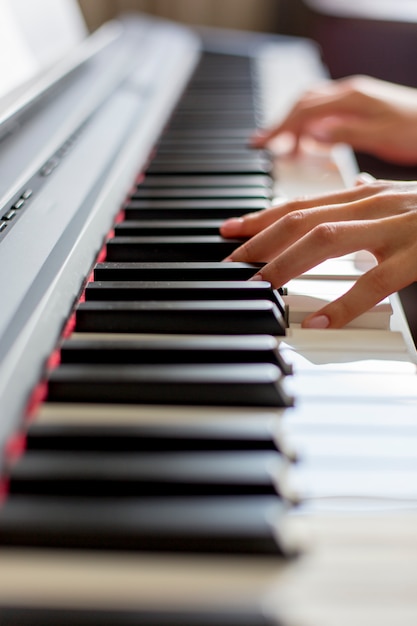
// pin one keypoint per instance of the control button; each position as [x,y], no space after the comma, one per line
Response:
[3,225]
[27,194]
[9,215]
[63,150]
[19,203]
[49,166]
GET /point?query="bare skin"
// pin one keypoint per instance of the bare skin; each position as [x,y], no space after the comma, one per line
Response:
[379,216]
[371,115]
[375,215]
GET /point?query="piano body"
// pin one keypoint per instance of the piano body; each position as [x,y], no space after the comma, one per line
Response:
[175,450]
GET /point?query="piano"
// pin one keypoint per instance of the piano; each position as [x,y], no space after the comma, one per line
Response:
[175,449]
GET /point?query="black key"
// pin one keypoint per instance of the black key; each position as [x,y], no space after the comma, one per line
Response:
[210,116]
[183,154]
[117,436]
[175,271]
[215,317]
[121,475]
[221,81]
[173,349]
[184,181]
[243,525]
[210,133]
[170,248]
[214,68]
[182,290]
[235,85]
[200,193]
[201,385]
[206,145]
[254,204]
[214,95]
[190,209]
[216,101]
[163,228]
[227,166]
[211,119]
[222,75]
[196,159]
[41,616]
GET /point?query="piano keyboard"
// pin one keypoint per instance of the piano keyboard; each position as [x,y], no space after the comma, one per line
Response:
[165,322]
[157,477]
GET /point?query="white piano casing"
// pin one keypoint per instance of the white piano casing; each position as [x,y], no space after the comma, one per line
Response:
[121,110]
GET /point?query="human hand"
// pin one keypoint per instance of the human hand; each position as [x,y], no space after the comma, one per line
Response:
[371,115]
[378,216]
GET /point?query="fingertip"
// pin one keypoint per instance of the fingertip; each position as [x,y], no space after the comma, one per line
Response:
[232,227]
[256,277]
[363,178]
[317,321]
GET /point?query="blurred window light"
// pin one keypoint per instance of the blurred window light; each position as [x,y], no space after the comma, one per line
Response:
[34,34]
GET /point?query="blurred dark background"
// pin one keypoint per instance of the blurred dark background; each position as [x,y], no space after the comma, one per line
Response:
[377,37]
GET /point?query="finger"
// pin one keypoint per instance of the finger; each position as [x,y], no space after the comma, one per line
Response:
[261,137]
[334,102]
[293,121]
[359,133]
[367,292]
[324,241]
[272,240]
[253,223]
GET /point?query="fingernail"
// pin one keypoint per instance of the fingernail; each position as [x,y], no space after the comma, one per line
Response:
[364,177]
[232,226]
[320,321]
[256,277]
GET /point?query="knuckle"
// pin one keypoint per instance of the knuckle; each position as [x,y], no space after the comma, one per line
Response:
[324,235]
[380,283]
[292,222]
